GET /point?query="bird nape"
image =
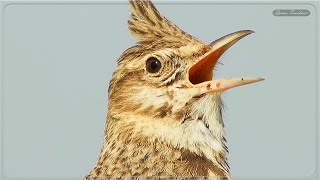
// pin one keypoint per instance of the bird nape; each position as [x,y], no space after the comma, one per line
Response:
[165,111]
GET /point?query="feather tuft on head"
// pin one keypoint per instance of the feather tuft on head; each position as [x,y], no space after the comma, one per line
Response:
[148,25]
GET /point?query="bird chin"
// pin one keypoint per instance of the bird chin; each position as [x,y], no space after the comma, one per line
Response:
[208,110]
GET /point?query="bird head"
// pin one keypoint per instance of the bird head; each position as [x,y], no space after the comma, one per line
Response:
[163,89]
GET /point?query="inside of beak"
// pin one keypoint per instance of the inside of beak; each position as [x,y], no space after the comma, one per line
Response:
[201,73]
[203,70]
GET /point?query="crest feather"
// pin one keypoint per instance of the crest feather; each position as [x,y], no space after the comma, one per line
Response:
[148,25]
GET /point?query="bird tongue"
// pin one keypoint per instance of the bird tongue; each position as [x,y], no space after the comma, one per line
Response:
[201,73]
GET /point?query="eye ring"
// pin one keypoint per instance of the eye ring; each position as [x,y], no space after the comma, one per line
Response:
[153,65]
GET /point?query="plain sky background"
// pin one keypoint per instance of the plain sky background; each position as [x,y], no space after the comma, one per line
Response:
[58,60]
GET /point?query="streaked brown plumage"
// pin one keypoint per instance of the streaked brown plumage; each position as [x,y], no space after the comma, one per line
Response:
[164,115]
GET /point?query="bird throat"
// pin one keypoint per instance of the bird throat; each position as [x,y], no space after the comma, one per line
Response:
[194,148]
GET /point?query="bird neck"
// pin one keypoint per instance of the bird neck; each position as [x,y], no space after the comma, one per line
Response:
[126,152]
[135,145]
[125,155]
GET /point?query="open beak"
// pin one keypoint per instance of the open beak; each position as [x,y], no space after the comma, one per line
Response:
[201,73]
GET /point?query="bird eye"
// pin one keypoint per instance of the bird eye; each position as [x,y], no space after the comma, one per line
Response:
[153,65]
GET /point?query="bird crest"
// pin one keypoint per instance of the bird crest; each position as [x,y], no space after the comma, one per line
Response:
[148,25]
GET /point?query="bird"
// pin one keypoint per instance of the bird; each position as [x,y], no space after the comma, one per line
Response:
[164,116]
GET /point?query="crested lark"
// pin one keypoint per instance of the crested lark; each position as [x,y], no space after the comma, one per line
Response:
[164,115]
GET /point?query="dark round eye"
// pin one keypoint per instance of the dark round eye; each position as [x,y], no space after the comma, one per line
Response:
[153,65]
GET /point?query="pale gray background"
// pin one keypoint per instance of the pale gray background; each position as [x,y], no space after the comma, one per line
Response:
[58,59]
